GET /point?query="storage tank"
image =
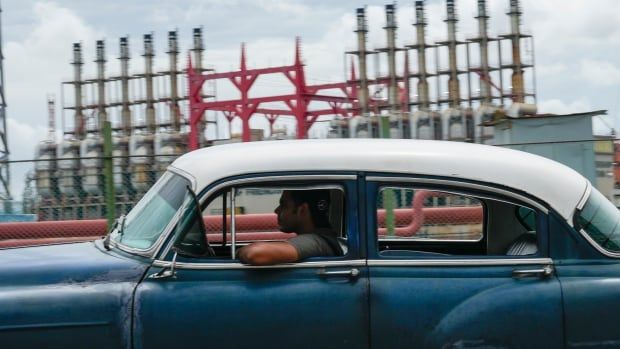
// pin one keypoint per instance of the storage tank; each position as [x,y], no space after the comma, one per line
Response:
[69,182]
[169,145]
[424,127]
[453,124]
[91,151]
[142,174]
[45,171]
[339,128]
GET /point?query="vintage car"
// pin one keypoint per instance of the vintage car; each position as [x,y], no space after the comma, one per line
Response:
[446,245]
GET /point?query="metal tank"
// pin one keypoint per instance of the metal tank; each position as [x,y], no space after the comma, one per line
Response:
[141,167]
[69,183]
[169,144]
[422,125]
[453,124]
[45,170]
[339,128]
[91,151]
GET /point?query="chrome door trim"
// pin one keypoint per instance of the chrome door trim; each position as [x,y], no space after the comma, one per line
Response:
[241,266]
[598,247]
[478,262]
[259,179]
[459,184]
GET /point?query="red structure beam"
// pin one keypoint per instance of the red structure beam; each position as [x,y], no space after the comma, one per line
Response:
[245,107]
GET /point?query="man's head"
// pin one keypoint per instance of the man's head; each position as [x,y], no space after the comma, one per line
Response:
[302,211]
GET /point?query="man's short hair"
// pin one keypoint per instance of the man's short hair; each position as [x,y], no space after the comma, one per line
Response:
[319,202]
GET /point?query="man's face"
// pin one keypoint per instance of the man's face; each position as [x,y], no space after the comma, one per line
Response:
[288,213]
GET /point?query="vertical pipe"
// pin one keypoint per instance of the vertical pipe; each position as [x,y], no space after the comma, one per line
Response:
[515,36]
[101,102]
[420,24]
[469,95]
[485,82]
[148,73]
[173,52]
[454,93]
[501,74]
[198,50]
[77,63]
[362,31]
[125,110]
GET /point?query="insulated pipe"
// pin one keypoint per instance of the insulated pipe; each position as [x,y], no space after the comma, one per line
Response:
[517,69]
[420,24]
[362,31]
[101,103]
[453,82]
[125,111]
[483,19]
[173,52]
[148,73]
[78,123]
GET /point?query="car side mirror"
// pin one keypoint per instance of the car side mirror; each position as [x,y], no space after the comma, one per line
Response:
[167,272]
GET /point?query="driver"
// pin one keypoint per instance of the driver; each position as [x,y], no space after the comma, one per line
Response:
[306,213]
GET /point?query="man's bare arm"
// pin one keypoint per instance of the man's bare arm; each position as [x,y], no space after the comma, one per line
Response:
[268,253]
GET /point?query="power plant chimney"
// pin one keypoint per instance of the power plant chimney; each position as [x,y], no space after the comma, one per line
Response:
[483,37]
[51,114]
[361,31]
[125,111]
[454,93]
[102,116]
[148,55]
[173,52]
[390,28]
[78,121]
[420,26]
[198,50]
[518,91]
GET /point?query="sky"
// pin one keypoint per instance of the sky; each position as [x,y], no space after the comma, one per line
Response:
[577,46]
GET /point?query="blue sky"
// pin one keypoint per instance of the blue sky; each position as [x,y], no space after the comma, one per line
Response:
[577,45]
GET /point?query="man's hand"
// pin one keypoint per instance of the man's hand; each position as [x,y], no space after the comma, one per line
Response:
[268,253]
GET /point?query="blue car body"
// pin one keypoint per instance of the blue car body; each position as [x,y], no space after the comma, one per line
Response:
[564,295]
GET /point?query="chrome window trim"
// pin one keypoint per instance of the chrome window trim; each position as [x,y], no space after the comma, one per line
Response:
[457,262]
[585,197]
[259,179]
[456,183]
[599,248]
[240,266]
[184,174]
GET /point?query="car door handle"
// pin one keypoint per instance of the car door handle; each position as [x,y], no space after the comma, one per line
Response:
[353,273]
[544,272]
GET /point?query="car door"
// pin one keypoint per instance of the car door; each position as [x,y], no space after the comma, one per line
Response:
[317,303]
[440,276]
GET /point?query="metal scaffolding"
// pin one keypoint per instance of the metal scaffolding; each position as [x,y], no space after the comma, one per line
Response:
[5,192]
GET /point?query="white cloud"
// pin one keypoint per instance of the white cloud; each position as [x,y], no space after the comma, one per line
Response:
[600,73]
[556,106]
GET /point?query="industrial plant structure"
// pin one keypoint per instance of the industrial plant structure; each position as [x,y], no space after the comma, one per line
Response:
[151,129]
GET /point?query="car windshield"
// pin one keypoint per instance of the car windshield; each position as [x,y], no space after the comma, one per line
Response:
[148,219]
[601,220]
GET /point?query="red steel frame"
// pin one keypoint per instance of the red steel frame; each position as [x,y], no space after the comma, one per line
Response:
[245,107]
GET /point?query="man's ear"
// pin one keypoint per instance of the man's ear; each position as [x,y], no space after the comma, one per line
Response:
[303,208]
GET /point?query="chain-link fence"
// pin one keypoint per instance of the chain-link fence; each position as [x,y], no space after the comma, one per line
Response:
[67,199]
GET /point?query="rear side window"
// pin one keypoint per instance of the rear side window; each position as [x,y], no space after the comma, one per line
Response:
[600,219]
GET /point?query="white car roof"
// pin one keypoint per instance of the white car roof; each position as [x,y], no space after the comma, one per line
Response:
[558,185]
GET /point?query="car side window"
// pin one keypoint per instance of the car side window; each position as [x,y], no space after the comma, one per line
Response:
[431,222]
[239,216]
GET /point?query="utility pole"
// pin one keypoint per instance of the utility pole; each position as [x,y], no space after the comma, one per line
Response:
[5,192]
